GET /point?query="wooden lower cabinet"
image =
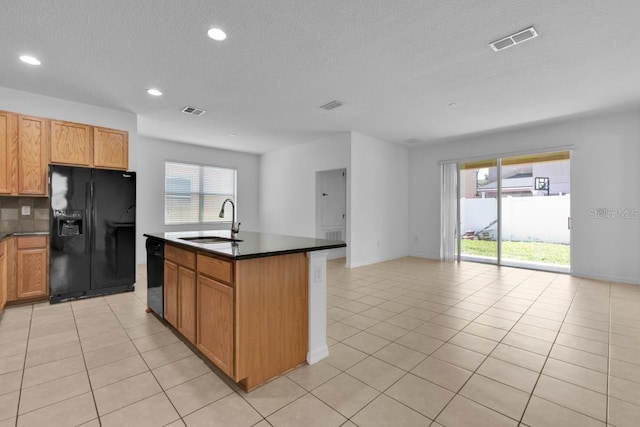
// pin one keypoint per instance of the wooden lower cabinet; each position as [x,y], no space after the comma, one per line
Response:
[249,317]
[3,274]
[171,292]
[180,290]
[187,303]
[215,322]
[32,260]
[271,317]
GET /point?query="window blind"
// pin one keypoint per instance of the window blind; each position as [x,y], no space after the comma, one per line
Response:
[194,193]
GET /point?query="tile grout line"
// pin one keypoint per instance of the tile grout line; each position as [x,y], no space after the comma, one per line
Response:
[526,406]
[24,364]
[474,372]
[546,360]
[440,346]
[163,391]
[84,361]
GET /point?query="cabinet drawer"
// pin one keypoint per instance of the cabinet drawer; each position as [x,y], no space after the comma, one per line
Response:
[216,268]
[180,256]
[31,242]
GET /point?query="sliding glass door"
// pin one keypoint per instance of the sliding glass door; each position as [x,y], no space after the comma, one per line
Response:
[515,211]
[479,211]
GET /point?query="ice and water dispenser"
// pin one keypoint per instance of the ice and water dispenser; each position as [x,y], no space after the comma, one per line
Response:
[68,222]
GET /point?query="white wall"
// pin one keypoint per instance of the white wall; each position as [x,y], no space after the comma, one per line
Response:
[54,108]
[379,201]
[377,193]
[153,153]
[288,183]
[604,175]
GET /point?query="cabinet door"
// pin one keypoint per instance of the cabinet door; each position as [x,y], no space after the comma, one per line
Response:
[8,153]
[3,275]
[215,322]
[187,303]
[32,273]
[110,148]
[70,143]
[171,292]
[32,155]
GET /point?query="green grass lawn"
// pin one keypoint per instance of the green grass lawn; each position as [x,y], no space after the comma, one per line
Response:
[552,253]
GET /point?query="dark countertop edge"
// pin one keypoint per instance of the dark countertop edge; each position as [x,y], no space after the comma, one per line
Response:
[4,234]
[195,246]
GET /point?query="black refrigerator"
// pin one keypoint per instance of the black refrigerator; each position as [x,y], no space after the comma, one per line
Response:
[92,225]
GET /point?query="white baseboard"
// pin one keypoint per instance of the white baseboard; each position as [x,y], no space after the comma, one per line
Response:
[375,260]
[625,280]
[317,354]
[425,254]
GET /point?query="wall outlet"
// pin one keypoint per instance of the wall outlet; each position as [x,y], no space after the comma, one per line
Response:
[317,274]
[26,210]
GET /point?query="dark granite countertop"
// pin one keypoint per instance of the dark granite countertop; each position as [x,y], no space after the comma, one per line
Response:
[250,244]
[4,234]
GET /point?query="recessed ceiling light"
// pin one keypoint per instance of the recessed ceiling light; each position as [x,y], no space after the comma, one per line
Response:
[232,134]
[30,60]
[217,34]
[154,92]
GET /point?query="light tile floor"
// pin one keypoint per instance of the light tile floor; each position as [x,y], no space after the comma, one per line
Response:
[413,342]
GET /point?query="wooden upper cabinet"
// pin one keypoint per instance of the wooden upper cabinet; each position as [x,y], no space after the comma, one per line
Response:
[110,148]
[33,141]
[71,143]
[8,153]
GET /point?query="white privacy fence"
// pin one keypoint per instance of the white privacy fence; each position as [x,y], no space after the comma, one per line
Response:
[528,219]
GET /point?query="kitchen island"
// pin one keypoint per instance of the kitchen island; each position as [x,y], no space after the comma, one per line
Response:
[253,303]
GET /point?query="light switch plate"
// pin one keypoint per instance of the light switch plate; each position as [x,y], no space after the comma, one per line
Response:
[26,210]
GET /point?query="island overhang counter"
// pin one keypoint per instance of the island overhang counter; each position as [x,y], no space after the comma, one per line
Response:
[252,303]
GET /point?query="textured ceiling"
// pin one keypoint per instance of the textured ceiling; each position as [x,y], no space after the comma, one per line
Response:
[396,65]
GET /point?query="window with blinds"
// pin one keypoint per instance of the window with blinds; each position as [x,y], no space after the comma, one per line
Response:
[194,194]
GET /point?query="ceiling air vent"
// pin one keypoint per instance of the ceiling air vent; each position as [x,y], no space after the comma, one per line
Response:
[514,39]
[193,111]
[331,105]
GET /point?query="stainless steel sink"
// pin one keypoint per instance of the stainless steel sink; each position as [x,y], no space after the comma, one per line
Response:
[209,239]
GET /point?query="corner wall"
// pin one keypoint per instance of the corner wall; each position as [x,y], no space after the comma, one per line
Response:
[379,201]
[377,195]
[288,183]
[605,177]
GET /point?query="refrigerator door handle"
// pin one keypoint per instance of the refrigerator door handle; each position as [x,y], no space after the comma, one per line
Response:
[94,216]
[88,223]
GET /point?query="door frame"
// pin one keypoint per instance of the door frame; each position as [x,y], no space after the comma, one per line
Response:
[339,252]
[499,261]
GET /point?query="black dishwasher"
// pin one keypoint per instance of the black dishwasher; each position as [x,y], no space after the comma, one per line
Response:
[155,275]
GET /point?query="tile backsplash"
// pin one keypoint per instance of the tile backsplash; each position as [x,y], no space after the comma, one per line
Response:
[12,220]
